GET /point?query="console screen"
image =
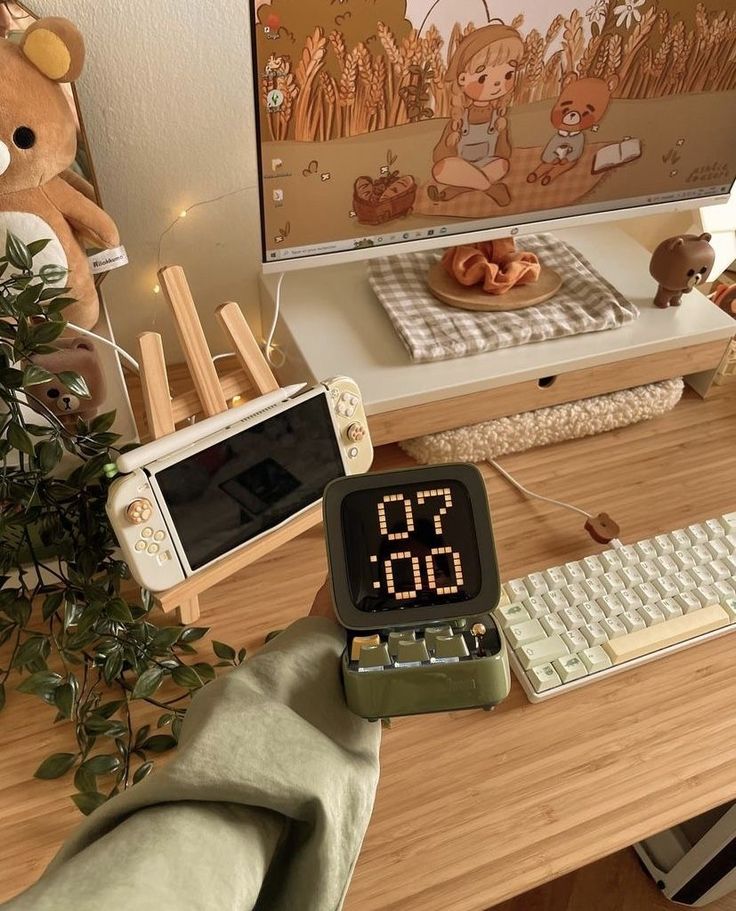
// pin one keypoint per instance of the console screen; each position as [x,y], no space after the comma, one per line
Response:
[409,546]
[225,495]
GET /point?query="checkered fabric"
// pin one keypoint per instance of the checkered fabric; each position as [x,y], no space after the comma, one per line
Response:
[433,331]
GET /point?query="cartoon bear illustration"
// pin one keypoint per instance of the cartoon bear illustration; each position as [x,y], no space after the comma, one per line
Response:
[680,264]
[78,355]
[38,143]
[580,107]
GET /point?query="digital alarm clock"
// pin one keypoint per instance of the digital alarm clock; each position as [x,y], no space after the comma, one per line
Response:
[414,578]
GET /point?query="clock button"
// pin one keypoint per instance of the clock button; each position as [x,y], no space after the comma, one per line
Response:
[147,533]
[153,548]
[140,546]
[139,511]
[353,452]
[159,536]
[356,432]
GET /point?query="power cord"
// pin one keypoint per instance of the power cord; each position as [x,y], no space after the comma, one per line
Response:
[268,346]
[601,528]
[121,351]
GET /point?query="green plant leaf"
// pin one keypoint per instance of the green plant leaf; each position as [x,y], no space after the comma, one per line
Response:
[36,246]
[34,375]
[84,780]
[17,253]
[33,648]
[148,682]
[44,333]
[222,650]
[52,273]
[87,801]
[159,743]
[205,671]
[186,677]
[193,633]
[49,454]
[103,764]
[97,725]
[102,422]
[51,604]
[117,609]
[142,771]
[55,766]
[19,439]
[39,683]
[75,383]
[64,699]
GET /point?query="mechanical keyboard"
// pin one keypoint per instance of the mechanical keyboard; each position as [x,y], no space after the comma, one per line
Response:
[571,625]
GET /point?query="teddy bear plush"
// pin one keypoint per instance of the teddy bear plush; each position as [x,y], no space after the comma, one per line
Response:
[77,355]
[680,264]
[38,143]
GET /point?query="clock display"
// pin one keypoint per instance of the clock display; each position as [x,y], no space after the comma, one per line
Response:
[410,545]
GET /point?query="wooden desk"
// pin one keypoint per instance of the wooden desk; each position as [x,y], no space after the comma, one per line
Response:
[474,808]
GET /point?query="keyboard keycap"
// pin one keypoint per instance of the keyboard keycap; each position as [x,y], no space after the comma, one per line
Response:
[680,539]
[594,633]
[729,523]
[516,590]
[574,594]
[683,581]
[730,607]
[688,601]
[726,590]
[684,559]
[630,600]
[593,588]
[670,608]
[631,576]
[572,618]
[697,534]
[632,620]
[595,659]
[544,678]
[702,576]
[592,567]
[667,564]
[663,635]
[664,544]
[613,627]
[612,582]
[555,578]
[535,607]
[399,636]
[646,550]
[648,593]
[541,652]
[513,613]
[649,571]
[665,586]
[610,560]
[702,553]
[412,652]
[452,648]
[718,548]
[651,614]
[374,657]
[573,572]
[553,625]
[611,605]
[523,633]
[572,668]
[714,529]
[360,641]
[574,640]
[707,595]
[536,584]
[591,612]
[556,601]
[628,555]
[719,571]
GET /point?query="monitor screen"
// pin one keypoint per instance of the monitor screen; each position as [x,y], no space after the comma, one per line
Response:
[223,496]
[412,545]
[382,122]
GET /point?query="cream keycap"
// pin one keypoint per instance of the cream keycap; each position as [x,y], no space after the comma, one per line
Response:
[663,635]
[541,652]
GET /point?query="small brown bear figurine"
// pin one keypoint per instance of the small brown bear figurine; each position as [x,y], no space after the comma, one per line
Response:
[80,356]
[679,264]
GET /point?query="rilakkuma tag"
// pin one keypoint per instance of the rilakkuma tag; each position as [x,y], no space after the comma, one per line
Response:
[40,199]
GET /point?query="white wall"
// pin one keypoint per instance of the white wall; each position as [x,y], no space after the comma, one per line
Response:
[167,101]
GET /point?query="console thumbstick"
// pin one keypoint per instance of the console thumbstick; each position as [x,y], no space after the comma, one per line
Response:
[356,432]
[478,630]
[139,511]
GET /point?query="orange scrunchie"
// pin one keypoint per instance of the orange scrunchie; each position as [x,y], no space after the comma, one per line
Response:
[496,264]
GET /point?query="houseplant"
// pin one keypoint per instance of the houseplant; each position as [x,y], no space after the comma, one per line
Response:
[70,633]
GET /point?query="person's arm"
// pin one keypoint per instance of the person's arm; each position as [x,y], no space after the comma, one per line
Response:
[264,805]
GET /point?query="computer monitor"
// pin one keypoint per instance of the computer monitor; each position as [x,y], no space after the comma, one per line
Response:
[389,126]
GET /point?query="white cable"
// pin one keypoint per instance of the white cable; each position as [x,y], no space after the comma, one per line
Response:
[536,496]
[121,351]
[268,348]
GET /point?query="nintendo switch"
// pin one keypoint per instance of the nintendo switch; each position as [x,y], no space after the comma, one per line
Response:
[414,578]
[191,498]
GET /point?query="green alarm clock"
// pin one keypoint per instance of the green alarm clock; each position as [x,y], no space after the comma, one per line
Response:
[414,578]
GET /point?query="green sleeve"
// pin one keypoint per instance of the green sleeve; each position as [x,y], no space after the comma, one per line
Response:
[264,805]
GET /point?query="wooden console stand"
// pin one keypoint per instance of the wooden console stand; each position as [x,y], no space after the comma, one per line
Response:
[331,323]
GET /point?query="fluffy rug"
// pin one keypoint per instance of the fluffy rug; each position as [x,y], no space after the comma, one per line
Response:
[572,421]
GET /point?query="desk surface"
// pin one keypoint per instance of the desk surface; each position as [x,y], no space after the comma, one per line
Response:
[472,807]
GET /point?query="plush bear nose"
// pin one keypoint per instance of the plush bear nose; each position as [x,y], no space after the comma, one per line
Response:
[4,158]
[571,119]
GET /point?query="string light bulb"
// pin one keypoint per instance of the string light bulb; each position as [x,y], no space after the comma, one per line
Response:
[157,289]
[183,213]
[237,399]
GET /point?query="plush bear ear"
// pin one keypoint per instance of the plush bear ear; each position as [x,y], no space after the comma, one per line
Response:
[55,47]
[675,242]
[706,237]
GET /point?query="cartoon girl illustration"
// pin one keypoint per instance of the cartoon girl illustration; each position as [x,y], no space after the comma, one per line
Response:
[474,150]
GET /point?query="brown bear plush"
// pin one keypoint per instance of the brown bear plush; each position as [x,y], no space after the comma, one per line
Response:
[38,142]
[680,264]
[80,356]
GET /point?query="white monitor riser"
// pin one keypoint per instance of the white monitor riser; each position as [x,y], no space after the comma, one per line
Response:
[331,323]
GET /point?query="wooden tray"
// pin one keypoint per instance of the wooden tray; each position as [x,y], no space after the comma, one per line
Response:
[445,288]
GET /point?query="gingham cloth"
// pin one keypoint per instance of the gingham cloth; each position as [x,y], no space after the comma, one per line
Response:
[433,331]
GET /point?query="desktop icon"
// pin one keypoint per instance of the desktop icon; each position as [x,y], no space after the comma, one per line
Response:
[278,196]
[276,164]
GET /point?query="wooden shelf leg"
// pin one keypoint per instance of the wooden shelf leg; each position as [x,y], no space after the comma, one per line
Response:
[189,611]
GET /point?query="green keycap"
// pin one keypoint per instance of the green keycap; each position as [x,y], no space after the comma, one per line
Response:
[450,647]
[373,656]
[412,652]
[406,635]
[433,633]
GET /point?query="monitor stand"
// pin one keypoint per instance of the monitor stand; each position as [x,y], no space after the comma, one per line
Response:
[331,323]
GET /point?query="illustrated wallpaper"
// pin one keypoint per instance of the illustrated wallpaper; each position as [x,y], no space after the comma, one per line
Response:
[385,119]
